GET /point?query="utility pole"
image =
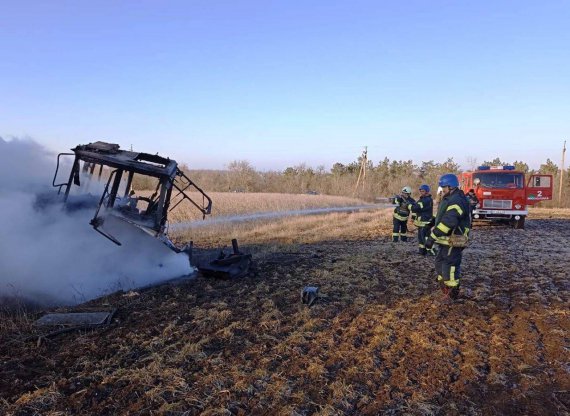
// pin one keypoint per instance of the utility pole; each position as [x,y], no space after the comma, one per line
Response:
[362,172]
[561,176]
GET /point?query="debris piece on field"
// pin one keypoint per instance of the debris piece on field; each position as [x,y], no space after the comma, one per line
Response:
[233,265]
[76,319]
[309,295]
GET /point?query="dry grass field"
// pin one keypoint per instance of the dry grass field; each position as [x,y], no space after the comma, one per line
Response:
[549,213]
[376,341]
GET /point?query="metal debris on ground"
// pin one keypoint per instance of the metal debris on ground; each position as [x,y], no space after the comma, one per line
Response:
[309,295]
[76,319]
[71,321]
[233,265]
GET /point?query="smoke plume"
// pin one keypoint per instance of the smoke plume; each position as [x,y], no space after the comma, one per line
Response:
[50,256]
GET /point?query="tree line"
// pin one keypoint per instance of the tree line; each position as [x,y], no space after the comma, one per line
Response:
[382,179]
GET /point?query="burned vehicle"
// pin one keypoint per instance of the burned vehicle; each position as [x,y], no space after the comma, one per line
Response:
[119,206]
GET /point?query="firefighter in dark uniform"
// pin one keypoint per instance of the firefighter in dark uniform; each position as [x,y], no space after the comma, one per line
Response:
[473,200]
[403,203]
[453,218]
[423,213]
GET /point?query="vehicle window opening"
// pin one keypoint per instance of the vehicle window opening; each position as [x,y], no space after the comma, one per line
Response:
[501,180]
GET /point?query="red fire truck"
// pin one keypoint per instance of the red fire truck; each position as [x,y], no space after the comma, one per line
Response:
[504,193]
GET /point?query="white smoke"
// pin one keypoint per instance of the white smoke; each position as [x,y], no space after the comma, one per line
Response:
[50,256]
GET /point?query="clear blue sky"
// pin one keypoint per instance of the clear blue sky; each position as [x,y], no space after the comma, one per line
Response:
[279,83]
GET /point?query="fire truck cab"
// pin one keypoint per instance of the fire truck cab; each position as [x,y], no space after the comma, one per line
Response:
[504,194]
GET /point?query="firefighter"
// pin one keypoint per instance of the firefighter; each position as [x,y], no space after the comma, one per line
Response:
[423,213]
[403,203]
[452,218]
[473,200]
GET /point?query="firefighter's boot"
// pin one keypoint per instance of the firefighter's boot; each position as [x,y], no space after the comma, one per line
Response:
[395,238]
[404,238]
[445,298]
[454,293]
[422,251]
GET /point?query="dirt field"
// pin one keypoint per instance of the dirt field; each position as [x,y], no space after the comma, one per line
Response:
[376,342]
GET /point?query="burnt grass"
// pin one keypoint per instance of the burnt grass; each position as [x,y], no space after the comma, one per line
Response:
[376,341]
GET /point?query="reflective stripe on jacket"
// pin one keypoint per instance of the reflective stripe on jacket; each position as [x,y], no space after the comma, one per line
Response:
[424,209]
[402,210]
[452,216]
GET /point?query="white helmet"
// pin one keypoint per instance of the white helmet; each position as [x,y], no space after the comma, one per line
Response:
[406,190]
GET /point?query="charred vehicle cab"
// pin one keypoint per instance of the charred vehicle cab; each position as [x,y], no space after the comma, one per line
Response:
[119,213]
[147,213]
[504,194]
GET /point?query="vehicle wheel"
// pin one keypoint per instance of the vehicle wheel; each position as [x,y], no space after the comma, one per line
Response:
[519,224]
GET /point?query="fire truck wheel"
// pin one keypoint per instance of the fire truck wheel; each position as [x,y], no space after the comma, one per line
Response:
[518,224]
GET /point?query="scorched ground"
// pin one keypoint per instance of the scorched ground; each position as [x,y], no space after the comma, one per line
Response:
[375,342]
